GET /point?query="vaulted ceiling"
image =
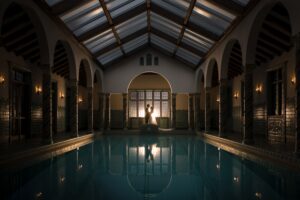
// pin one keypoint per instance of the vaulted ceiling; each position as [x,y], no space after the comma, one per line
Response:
[113,29]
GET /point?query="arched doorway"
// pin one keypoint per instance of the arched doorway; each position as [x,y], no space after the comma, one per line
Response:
[84,87]
[62,65]
[153,89]
[23,34]
[232,70]
[270,42]
[212,102]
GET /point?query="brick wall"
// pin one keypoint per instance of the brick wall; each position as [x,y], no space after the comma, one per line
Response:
[260,119]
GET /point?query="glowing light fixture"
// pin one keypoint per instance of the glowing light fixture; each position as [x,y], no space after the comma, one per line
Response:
[61,95]
[80,100]
[258,89]
[2,79]
[218,100]
[38,89]
[236,95]
[293,80]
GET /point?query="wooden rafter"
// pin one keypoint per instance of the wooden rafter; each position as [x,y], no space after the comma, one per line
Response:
[185,21]
[118,20]
[112,26]
[175,18]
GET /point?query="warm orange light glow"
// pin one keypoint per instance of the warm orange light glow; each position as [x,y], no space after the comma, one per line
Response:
[218,100]
[258,88]
[293,80]
[236,95]
[2,79]
[80,100]
[38,89]
[61,95]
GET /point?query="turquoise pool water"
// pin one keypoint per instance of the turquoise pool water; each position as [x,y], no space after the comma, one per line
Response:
[148,167]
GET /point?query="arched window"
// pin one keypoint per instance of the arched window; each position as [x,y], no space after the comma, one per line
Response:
[156,61]
[142,61]
[149,59]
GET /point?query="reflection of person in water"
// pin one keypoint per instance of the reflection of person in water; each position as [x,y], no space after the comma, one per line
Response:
[148,153]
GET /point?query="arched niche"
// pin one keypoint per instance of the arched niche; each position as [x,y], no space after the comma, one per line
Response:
[153,89]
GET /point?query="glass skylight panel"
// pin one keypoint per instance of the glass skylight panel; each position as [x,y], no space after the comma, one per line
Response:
[84,18]
[136,43]
[188,56]
[53,2]
[132,25]
[215,10]
[118,7]
[198,41]
[178,7]
[209,22]
[110,56]
[167,26]
[164,44]
[100,41]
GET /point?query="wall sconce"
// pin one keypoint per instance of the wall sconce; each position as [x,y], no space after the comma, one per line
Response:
[80,100]
[2,79]
[61,95]
[236,95]
[293,80]
[218,99]
[38,89]
[258,89]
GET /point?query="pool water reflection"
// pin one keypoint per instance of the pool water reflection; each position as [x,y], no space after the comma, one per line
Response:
[148,167]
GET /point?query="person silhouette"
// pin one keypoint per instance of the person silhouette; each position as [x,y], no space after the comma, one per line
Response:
[147,114]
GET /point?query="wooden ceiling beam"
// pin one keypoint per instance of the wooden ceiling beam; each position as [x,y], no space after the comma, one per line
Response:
[112,26]
[185,21]
[118,20]
[269,45]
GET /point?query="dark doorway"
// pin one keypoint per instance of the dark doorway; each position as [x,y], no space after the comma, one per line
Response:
[20,105]
[54,107]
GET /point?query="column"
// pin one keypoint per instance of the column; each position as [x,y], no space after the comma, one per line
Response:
[191,111]
[248,118]
[207,110]
[297,94]
[90,110]
[74,107]
[197,111]
[125,111]
[47,106]
[174,110]
[107,112]
[101,111]
[223,114]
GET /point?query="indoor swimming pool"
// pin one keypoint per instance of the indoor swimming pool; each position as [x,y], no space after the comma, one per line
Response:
[149,167]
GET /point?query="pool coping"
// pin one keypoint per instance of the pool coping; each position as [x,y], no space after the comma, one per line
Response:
[28,157]
[262,156]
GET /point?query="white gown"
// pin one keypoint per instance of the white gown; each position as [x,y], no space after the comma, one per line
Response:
[152,119]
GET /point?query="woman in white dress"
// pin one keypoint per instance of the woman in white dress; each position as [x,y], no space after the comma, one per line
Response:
[152,119]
